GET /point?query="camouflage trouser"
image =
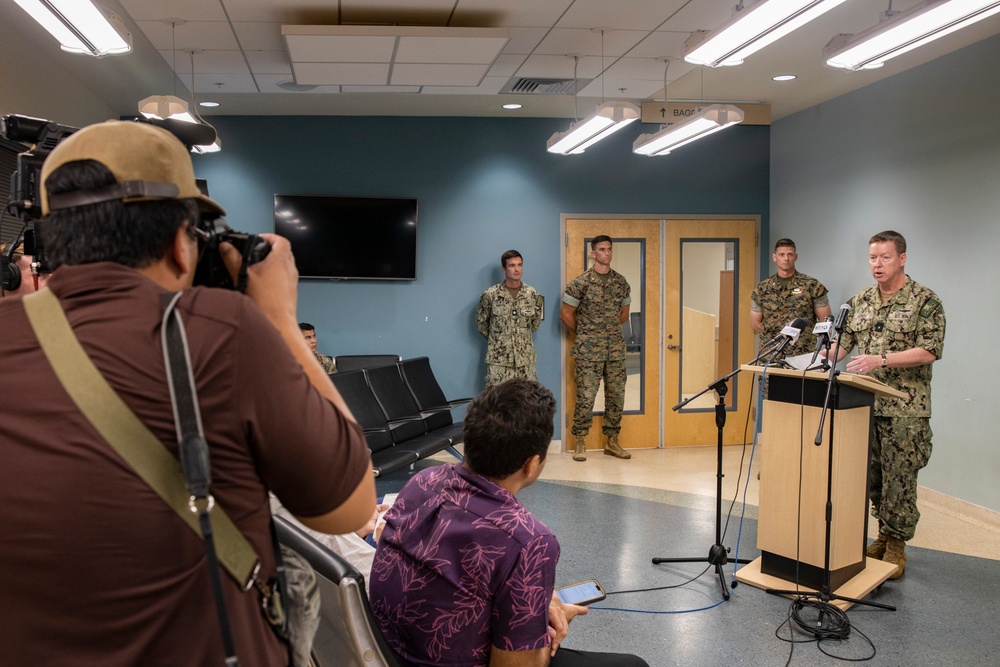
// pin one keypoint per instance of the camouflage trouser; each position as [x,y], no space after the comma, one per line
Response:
[588,381]
[901,447]
[497,374]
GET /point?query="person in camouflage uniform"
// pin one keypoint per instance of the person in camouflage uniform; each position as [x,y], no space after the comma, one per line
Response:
[508,313]
[595,305]
[898,327]
[785,296]
[309,332]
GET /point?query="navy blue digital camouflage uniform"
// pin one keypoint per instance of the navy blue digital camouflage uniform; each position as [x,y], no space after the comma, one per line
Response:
[911,317]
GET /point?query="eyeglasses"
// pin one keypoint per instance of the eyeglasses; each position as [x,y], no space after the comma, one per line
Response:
[198,234]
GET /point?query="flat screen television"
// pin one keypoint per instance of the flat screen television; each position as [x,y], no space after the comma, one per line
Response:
[361,238]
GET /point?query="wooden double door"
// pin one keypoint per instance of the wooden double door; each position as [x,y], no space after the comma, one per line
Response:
[690,282]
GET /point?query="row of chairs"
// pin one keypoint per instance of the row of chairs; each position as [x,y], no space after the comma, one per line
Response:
[403,410]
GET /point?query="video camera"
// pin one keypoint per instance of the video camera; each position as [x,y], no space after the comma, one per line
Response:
[42,136]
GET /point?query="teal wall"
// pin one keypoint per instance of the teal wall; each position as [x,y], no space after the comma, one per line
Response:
[918,152]
[483,186]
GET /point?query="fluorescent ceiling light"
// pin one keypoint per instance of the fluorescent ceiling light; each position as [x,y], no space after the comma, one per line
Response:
[709,120]
[605,121]
[751,28]
[899,32]
[80,26]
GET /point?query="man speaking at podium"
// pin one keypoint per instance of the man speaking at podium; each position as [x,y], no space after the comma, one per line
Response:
[898,326]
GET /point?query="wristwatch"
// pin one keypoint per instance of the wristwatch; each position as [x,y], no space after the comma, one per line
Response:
[885,362]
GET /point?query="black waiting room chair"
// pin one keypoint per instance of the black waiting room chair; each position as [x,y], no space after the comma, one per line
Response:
[348,635]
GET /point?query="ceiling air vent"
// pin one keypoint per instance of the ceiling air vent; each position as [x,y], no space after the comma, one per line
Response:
[536,86]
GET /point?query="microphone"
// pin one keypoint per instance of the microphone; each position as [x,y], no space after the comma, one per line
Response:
[788,336]
[845,310]
[822,333]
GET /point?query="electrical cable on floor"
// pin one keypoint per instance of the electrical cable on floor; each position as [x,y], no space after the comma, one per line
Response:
[659,588]
[829,625]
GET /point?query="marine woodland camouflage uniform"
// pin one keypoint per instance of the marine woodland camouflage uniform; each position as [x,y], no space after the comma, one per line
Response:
[507,324]
[912,317]
[599,348]
[781,300]
[328,364]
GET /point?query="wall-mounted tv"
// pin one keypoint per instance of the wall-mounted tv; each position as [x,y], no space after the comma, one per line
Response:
[362,238]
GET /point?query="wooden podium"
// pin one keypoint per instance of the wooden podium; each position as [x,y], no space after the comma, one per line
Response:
[797,544]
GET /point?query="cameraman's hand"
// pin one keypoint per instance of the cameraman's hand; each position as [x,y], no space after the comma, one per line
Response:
[272,283]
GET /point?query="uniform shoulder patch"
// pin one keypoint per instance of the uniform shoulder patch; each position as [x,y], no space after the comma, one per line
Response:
[929,307]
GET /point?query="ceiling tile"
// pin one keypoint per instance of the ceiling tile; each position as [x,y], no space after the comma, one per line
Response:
[631,15]
[192,35]
[341,74]
[255,36]
[506,65]
[524,13]
[381,89]
[269,62]
[491,85]
[563,41]
[189,10]
[559,67]
[269,84]
[307,46]
[524,40]
[443,49]
[404,74]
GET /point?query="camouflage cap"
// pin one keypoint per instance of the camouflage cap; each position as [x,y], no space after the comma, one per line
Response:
[148,162]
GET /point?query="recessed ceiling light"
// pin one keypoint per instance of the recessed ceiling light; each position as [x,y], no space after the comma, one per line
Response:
[512,106]
[208,104]
[783,77]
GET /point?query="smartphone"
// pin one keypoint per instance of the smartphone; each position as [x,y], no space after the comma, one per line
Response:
[583,593]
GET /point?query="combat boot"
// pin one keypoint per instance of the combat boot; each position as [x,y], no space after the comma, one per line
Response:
[614,449]
[580,454]
[895,553]
[877,548]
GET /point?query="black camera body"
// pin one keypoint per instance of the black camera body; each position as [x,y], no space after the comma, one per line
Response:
[25,203]
[211,271]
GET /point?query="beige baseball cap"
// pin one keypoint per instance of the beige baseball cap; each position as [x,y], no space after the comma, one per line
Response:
[148,162]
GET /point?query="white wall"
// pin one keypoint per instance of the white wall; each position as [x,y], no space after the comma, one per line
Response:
[918,153]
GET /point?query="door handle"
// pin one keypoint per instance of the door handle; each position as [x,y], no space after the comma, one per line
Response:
[673,347]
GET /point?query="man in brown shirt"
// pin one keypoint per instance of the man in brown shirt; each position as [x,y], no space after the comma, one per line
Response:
[97,569]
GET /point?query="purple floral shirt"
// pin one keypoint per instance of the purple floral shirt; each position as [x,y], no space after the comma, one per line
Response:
[462,566]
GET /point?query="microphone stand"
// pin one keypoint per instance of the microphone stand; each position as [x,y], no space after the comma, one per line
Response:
[718,554]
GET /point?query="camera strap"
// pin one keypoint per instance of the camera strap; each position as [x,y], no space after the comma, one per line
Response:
[193,449]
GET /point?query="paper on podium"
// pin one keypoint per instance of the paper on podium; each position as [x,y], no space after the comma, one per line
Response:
[800,362]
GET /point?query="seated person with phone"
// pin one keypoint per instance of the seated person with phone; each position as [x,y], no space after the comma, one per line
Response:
[464,574]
